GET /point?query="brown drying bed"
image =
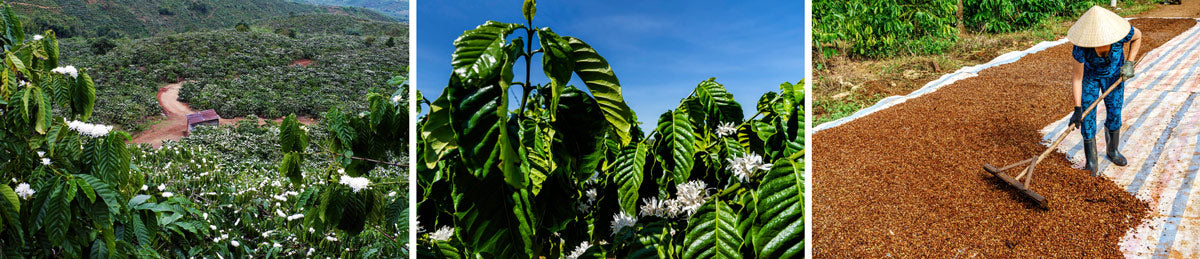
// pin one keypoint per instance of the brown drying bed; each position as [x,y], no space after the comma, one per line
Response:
[908,181]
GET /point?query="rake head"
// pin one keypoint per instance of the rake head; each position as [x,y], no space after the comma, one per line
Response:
[1021,188]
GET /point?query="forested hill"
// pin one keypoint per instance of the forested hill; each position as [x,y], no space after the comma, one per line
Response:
[397,9]
[140,18]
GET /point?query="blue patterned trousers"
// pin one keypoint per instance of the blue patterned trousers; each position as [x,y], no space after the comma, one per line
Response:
[1092,88]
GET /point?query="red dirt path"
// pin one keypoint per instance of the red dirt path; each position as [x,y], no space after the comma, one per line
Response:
[174,125]
[302,62]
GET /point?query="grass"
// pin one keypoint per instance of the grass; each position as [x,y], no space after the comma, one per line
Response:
[845,85]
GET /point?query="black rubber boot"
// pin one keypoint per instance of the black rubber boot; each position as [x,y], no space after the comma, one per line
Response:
[1089,151]
[1113,137]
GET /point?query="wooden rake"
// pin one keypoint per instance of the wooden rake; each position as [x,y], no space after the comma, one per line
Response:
[1027,174]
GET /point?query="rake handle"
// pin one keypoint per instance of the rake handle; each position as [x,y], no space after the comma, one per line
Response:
[1029,170]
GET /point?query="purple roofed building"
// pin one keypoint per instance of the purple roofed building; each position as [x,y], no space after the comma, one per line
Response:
[205,117]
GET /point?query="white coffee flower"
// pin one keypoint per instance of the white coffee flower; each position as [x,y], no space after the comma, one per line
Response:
[690,196]
[37,37]
[591,194]
[280,213]
[167,194]
[579,250]
[726,129]
[235,243]
[67,71]
[331,238]
[41,153]
[24,191]
[442,234]
[162,187]
[653,207]
[747,167]
[356,183]
[45,161]
[622,220]
[295,216]
[91,130]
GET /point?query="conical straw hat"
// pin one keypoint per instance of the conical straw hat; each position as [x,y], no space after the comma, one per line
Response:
[1098,27]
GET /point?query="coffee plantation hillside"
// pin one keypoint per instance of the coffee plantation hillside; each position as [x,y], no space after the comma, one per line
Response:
[397,9]
[132,18]
[237,73]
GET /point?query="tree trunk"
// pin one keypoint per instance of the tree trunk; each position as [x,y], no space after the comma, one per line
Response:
[960,18]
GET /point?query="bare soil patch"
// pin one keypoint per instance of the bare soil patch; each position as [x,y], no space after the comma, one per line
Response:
[908,181]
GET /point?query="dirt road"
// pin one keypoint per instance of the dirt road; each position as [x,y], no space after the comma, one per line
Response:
[1188,8]
[173,125]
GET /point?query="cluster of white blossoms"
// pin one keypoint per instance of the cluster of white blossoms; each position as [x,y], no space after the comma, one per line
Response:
[747,167]
[442,234]
[37,37]
[591,194]
[726,129]
[92,130]
[579,250]
[24,191]
[356,183]
[67,71]
[688,198]
[622,220]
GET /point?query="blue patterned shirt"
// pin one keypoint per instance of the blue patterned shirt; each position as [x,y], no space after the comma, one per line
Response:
[1096,66]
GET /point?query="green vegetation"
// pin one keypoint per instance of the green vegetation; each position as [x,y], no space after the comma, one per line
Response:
[133,18]
[79,191]
[236,73]
[396,9]
[567,173]
[875,29]
[336,24]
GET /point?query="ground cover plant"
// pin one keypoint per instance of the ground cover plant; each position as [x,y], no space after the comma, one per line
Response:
[73,187]
[566,173]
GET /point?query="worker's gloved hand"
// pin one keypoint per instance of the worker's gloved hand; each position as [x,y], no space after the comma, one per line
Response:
[1077,117]
[1127,69]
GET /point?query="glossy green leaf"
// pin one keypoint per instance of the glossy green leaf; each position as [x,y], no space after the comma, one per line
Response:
[779,228]
[712,232]
[289,167]
[480,51]
[628,172]
[50,45]
[291,137]
[529,9]
[11,196]
[436,133]
[579,139]
[595,72]
[557,64]
[677,146]
[475,116]
[484,218]
[110,197]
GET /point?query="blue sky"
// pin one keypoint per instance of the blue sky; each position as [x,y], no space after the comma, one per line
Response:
[660,50]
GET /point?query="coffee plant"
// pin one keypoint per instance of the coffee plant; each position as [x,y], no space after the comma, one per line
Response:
[566,173]
[78,190]
[884,28]
[874,29]
[349,198]
[76,193]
